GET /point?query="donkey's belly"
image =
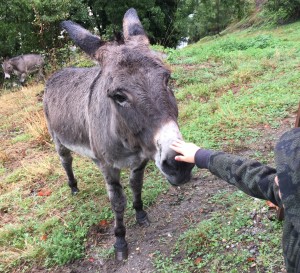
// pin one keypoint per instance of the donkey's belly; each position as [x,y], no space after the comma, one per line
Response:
[81,149]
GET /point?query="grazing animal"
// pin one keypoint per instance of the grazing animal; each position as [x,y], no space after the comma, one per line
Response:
[23,65]
[120,114]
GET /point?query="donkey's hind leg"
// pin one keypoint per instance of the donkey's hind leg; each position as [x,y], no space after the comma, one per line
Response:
[66,161]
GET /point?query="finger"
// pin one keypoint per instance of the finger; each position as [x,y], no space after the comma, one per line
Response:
[179,158]
[175,145]
[177,150]
[178,145]
[178,142]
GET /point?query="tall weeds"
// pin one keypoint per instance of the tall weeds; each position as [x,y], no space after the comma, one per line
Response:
[36,126]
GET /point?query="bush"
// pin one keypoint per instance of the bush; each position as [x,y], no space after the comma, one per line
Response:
[283,11]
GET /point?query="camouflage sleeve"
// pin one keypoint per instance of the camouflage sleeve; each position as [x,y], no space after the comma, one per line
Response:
[250,176]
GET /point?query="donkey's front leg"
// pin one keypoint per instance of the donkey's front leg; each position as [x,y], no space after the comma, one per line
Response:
[41,75]
[118,204]
[136,183]
[22,78]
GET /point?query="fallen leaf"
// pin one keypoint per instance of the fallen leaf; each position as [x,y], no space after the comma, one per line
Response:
[198,260]
[91,260]
[44,237]
[151,255]
[271,205]
[251,259]
[44,192]
[103,223]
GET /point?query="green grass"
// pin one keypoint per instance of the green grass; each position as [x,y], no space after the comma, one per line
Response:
[228,88]
[229,85]
[21,138]
[229,241]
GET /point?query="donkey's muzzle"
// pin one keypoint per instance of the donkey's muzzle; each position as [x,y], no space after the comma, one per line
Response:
[177,172]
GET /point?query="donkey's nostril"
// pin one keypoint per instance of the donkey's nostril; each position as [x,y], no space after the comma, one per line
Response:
[168,163]
[176,172]
[170,166]
[165,164]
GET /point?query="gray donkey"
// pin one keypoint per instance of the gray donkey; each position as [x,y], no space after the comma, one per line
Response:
[120,114]
[24,65]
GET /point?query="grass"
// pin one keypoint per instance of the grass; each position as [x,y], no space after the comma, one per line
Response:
[228,88]
[231,240]
[248,78]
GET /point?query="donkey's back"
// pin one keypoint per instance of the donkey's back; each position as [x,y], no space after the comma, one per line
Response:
[67,107]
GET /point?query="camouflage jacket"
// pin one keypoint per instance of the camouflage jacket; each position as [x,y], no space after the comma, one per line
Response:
[257,180]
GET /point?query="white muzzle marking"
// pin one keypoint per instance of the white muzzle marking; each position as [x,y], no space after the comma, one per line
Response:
[163,139]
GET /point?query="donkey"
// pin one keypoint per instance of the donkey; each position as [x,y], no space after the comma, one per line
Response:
[23,65]
[121,114]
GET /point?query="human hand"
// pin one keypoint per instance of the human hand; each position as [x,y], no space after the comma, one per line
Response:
[186,150]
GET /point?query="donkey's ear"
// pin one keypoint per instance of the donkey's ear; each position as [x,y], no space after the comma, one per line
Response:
[133,29]
[88,42]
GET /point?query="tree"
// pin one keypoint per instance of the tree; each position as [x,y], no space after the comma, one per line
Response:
[16,33]
[34,25]
[157,17]
[49,14]
[205,17]
[283,11]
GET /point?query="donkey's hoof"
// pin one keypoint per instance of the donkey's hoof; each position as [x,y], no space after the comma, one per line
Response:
[144,221]
[74,190]
[121,254]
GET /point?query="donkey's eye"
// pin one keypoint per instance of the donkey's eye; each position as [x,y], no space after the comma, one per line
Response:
[119,98]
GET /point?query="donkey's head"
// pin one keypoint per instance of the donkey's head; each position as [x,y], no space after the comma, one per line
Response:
[7,68]
[135,81]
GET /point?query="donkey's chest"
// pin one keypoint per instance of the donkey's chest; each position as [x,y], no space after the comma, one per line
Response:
[127,161]
[114,155]
[119,156]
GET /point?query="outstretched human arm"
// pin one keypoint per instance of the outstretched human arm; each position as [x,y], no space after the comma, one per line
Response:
[250,176]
